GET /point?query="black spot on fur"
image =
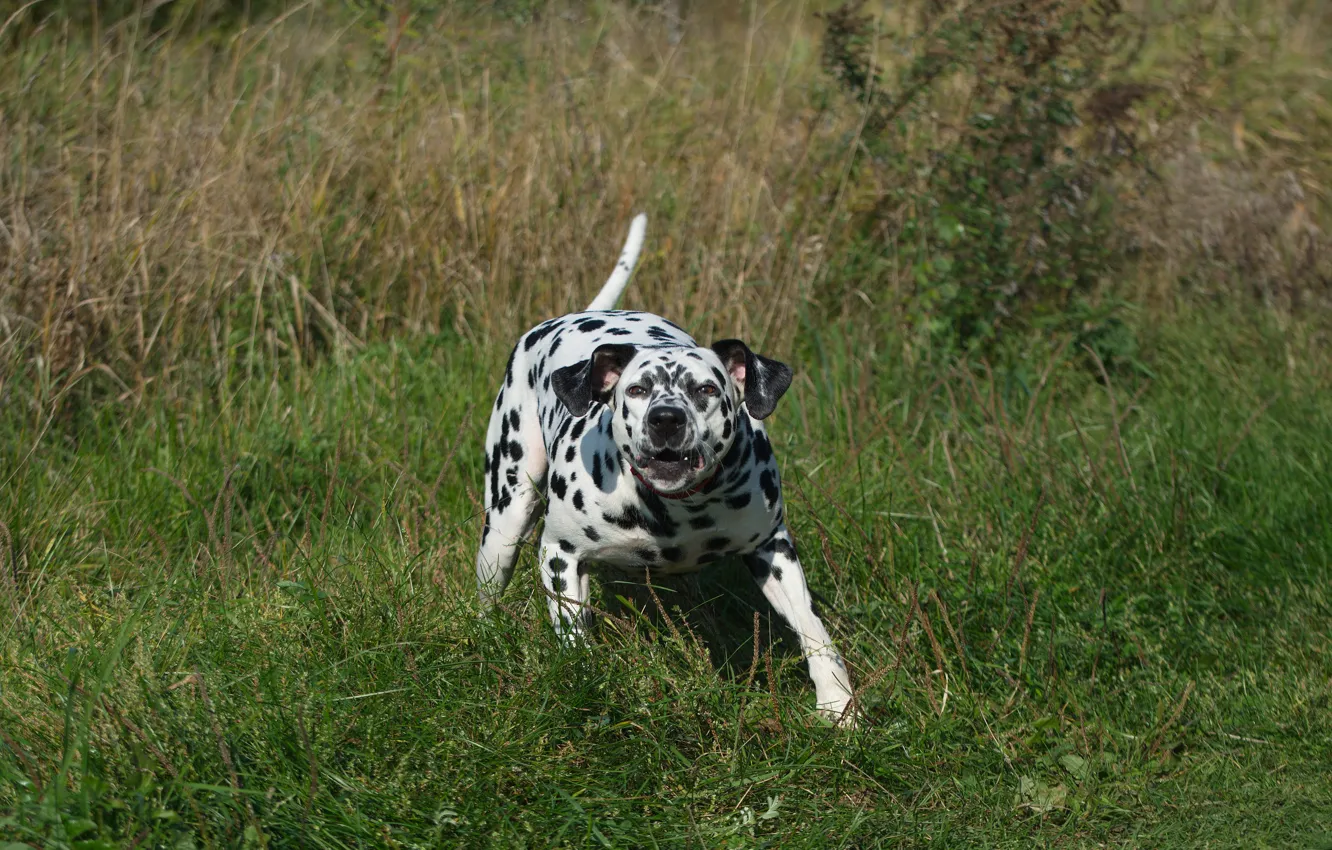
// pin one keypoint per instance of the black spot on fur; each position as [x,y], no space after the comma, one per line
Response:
[494,471]
[745,452]
[558,584]
[591,532]
[699,523]
[758,567]
[717,544]
[661,524]
[732,459]
[768,482]
[508,368]
[732,486]
[558,564]
[566,546]
[672,553]
[762,448]
[738,501]
[578,503]
[559,485]
[631,518]
[538,333]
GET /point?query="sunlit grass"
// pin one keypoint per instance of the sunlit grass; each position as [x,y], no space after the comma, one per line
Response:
[258,286]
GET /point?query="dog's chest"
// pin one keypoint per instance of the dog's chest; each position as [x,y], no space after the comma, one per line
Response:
[628,526]
[674,537]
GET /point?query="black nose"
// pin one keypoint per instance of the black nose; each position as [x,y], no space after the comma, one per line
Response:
[665,422]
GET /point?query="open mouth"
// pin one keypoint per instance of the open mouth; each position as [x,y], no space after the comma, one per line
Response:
[671,463]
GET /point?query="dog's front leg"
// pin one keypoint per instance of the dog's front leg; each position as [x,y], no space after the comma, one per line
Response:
[567,589]
[777,570]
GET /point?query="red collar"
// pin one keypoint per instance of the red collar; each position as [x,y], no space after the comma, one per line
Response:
[683,494]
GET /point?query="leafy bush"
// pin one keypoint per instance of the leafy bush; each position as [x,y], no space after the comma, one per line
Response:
[994,144]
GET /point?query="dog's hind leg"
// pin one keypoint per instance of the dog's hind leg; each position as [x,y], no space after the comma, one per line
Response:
[777,570]
[515,478]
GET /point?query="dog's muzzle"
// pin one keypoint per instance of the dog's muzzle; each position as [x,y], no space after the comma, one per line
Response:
[669,455]
[667,426]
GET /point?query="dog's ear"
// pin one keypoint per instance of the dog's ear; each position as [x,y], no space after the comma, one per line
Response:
[762,379]
[581,385]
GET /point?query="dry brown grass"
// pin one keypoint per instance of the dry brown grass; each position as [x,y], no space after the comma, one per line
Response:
[1239,204]
[169,200]
[292,187]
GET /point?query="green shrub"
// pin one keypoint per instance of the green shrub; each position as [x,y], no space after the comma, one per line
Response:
[994,148]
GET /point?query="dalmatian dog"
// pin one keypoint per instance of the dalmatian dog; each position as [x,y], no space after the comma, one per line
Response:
[647,452]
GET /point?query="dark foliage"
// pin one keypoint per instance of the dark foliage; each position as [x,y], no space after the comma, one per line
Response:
[1004,213]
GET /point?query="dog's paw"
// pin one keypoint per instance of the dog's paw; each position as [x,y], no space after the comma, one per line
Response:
[844,715]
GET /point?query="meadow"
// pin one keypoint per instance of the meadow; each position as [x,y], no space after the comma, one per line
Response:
[259,279]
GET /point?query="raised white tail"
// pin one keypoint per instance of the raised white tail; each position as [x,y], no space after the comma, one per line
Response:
[610,292]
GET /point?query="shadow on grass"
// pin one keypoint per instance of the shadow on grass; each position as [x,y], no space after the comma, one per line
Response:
[719,608]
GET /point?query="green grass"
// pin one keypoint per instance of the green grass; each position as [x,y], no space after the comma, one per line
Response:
[256,289]
[1079,616]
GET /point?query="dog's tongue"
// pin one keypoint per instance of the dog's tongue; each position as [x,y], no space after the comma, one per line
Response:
[698,462]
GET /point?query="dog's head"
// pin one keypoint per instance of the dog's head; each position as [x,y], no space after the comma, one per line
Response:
[677,410]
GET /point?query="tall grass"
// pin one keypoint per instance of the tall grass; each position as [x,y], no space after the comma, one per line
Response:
[296,187]
[206,201]
[255,285]
[1077,613]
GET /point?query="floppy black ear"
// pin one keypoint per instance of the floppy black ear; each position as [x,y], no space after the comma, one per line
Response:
[763,379]
[583,384]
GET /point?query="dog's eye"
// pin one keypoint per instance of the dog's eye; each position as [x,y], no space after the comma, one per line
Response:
[709,390]
[636,392]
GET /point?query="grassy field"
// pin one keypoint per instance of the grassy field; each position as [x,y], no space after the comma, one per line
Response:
[1077,615]
[261,286]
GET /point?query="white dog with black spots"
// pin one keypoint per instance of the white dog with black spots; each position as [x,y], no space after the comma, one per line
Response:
[651,455]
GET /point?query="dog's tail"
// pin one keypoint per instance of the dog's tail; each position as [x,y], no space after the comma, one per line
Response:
[610,292]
